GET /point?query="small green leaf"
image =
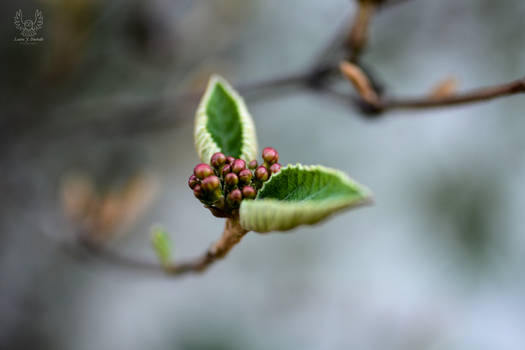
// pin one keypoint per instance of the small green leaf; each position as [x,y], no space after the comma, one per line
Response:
[223,123]
[161,244]
[300,195]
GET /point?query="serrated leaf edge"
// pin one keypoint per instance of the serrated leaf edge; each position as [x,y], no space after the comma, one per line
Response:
[301,213]
[204,143]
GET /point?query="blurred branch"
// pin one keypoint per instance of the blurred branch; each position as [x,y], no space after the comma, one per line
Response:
[232,234]
[127,112]
[361,83]
[379,104]
[291,80]
[359,30]
[358,34]
[477,95]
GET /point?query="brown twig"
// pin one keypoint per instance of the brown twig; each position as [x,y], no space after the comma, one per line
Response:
[131,110]
[360,81]
[358,35]
[232,234]
[379,104]
[477,95]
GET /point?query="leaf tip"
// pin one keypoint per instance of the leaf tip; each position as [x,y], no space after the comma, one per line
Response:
[161,244]
[223,123]
[302,195]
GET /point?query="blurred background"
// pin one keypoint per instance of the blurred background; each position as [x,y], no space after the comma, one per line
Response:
[92,117]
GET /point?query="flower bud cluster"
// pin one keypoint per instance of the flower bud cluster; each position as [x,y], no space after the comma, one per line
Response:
[227,181]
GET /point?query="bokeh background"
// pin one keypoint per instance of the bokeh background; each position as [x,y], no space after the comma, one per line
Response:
[437,262]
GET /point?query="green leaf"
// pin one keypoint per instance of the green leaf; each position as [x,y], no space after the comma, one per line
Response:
[161,244]
[300,195]
[223,123]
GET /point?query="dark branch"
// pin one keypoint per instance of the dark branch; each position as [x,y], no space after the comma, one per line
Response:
[477,95]
[373,102]
[358,35]
[231,235]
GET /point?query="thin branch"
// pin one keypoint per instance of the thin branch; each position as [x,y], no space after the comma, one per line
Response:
[113,257]
[286,81]
[358,35]
[360,81]
[232,234]
[347,41]
[379,104]
[131,109]
[477,95]
[394,2]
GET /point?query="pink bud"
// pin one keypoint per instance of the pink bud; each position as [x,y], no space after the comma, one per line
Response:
[217,160]
[230,160]
[248,192]
[198,192]
[238,165]
[261,173]
[270,155]
[211,183]
[252,165]
[231,179]
[245,176]
[235,197]
[193,181]
[202,170]
[275,168]
[226,169]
